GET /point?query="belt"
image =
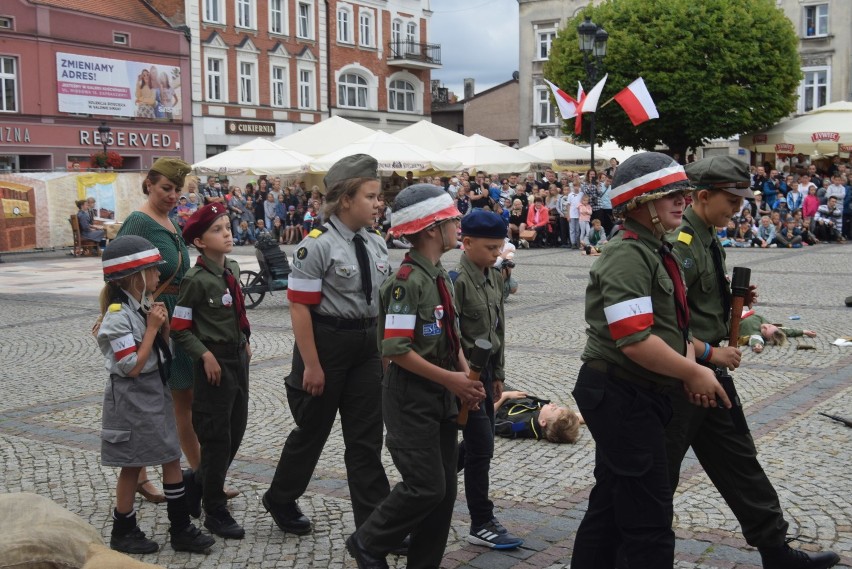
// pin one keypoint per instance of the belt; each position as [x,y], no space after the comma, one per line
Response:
[620,373]
[344,323]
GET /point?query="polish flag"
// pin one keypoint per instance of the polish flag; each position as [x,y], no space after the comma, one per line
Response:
[589,103]
[400,326]
[578,123]
[123,347]
[304,291]
[567,105]
[629,317]
[181,318]
[637,102]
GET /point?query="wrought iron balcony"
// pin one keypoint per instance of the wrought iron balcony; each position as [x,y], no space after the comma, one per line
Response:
[414,54]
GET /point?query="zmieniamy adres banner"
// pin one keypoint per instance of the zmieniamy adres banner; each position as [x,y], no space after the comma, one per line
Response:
[115,87]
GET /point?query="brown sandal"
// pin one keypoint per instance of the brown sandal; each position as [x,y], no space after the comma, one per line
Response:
[154,497]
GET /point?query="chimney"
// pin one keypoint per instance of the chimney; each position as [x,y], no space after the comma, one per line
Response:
[469,90]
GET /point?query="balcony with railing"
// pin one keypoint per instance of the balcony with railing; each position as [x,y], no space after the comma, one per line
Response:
[414,55]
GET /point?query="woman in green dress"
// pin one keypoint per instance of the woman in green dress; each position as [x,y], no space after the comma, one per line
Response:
[162,187]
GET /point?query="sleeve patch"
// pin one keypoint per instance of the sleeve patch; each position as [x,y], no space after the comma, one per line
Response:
[123,346]
[629,317]
[400,326]
[181,318]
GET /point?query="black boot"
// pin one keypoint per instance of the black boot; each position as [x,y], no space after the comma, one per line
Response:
[785,557]
[222,524]
[288,517]
[190,539]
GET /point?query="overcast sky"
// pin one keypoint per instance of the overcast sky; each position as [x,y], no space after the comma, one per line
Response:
[478,38]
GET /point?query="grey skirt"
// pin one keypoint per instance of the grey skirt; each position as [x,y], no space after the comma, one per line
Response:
[138,426]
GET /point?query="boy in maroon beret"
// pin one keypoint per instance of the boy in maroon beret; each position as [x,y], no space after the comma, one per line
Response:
[210,324]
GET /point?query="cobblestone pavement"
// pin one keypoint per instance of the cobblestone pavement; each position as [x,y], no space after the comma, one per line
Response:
[52,378]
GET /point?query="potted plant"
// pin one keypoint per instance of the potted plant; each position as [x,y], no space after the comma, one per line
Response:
[109,160]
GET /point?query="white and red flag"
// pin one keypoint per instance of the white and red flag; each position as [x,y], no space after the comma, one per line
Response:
[567,104]
[589,102]
[637,102]
[629,316]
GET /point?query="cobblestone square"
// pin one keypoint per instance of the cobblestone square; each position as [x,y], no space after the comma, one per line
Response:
[52,381]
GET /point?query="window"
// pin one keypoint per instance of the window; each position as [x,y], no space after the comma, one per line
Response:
[277,22]
[306,89]
[816,20]
[352,91]
[119,38]
[6,23]
[544,111]
[214,11]
[8,85]
[279,86]
[411,37]
[401,96]
[365,28]
[545,40]
[396,33]
[215,67]
[305,28]
[344,24]
[245,14]
[814,92]
[247,84]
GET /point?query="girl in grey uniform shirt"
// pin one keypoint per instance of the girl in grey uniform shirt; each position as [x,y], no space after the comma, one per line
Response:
[138,421]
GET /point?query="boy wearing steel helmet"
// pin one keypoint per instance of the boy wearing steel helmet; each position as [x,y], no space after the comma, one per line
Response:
[638,350]
[418,334]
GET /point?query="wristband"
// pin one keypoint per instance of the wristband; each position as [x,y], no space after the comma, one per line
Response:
[710,357]
[707,352]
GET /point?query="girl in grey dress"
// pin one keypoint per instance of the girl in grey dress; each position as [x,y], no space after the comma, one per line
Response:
[138,422]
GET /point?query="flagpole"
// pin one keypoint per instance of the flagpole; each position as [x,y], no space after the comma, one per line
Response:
[608,102]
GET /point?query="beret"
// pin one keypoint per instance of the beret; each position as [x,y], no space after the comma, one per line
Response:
[202,219]
[483,223]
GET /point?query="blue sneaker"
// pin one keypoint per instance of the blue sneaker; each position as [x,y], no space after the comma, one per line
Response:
[493,535]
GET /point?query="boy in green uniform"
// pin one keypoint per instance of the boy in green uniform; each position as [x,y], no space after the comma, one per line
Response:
[210,324]
[418,336]
[638,350]
[479,297]
[728,457]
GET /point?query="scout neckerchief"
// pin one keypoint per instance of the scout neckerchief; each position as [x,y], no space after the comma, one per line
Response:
[673,269]
[449,317]
[236,295]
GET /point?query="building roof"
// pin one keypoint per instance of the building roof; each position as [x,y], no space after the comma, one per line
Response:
[136,11]
[491,90]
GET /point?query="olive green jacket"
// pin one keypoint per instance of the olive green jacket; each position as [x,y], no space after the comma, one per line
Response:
[479,298]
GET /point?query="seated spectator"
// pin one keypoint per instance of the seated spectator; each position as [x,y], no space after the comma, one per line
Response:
[522,416]
[517,221]
[89,230]
[260,229]
[551,238]
[828,222]
[193,202]
[725,235]
[756,331]
[595,239]
[244,234]
[183,211]
[462,199]
[750,219]
[759,208]
[277,230]
[765,236]
[537,219]
[790,236]
[744,236]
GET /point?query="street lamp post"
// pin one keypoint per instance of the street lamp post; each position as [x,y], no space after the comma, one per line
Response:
[593,40]
[104,130]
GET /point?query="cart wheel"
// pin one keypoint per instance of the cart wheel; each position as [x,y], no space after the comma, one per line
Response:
[251,279]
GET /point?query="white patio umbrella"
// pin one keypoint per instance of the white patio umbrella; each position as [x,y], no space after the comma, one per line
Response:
[393,155]
[826,130]
[480,153]
[257,157]
[561,154]
[325,136]
[611,149]
[430,136]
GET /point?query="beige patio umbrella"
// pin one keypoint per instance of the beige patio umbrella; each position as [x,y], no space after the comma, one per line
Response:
[561,154]
[826,130]
[325,136]
[393,155]
[430,136]
[481,153]
[257,157]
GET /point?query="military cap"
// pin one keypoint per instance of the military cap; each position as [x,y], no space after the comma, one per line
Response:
[646,177]
[421,206]
[174,169]
[483,223]
[202,219]
[127,255]
[355,166]
[722,173]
